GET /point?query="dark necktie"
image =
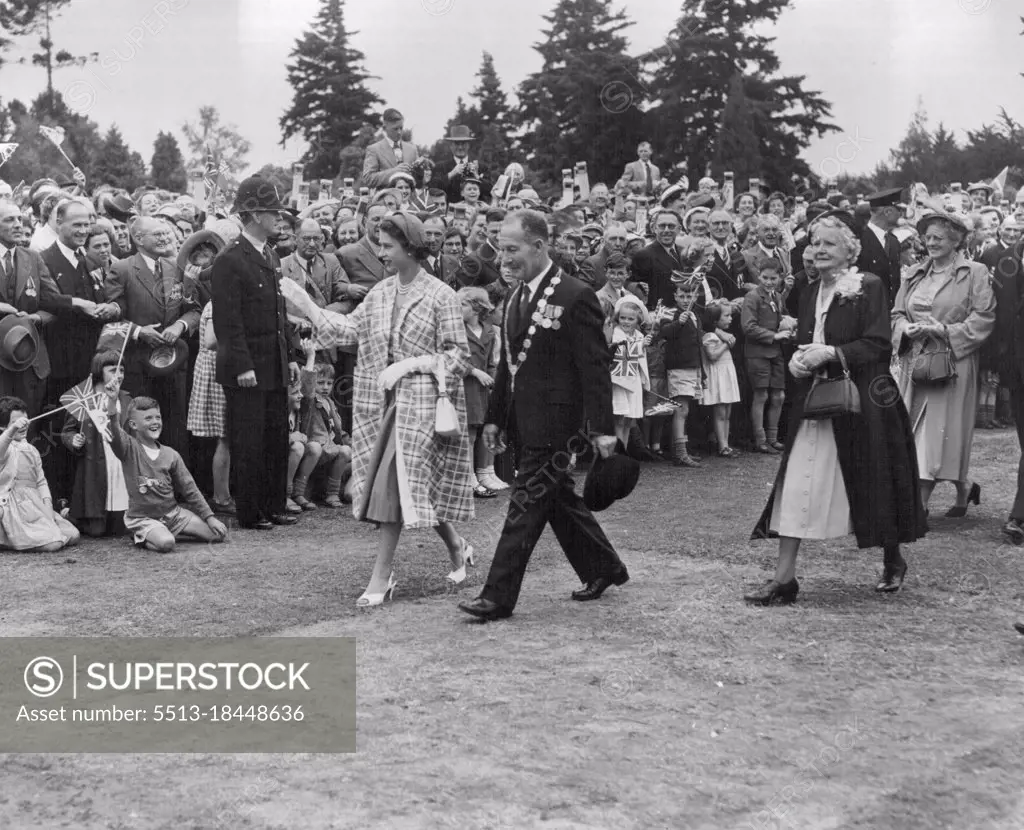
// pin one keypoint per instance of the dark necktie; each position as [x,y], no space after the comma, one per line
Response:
[158,272]
[82,269]
[398,150]
[310,288]
[649,186]
[9,264]
[268,256]
[522,306]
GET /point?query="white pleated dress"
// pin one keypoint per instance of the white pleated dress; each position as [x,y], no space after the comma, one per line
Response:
[811,501]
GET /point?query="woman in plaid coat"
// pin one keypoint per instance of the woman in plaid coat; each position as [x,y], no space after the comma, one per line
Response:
[403,474]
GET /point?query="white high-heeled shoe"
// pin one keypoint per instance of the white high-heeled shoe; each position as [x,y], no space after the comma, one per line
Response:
[368,600]
[459,576]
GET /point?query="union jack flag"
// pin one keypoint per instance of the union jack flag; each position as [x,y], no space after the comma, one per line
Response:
[626,363]
[215,174]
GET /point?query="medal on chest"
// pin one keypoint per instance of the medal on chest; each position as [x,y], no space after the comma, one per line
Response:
[546,316]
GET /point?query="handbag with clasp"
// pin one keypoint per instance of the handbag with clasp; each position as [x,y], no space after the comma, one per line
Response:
[829,397]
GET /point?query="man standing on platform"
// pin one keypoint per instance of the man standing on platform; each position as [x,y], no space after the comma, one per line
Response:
[253,357]
[553,373]
[388,155]
[641,176]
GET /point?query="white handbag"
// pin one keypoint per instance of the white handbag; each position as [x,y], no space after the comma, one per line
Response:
[446,417]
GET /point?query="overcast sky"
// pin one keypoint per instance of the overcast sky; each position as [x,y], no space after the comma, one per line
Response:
[871,58]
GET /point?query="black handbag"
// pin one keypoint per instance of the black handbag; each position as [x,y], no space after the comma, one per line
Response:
[934,365]
[829,397]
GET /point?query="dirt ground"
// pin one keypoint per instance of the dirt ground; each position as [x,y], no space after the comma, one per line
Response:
[667,704]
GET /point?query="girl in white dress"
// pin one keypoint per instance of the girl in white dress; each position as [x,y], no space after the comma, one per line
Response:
[723,385]
[630,376]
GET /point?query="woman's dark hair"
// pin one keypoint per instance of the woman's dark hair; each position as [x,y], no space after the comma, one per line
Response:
[417,252]
[9,404]
[100,362]
[99,230]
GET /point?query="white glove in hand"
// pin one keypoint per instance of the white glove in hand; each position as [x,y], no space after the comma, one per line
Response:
[396,371]
[797,368]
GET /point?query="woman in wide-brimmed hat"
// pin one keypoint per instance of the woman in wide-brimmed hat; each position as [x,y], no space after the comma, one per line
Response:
[945,304]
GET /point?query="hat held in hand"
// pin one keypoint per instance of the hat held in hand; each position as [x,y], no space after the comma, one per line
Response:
[610,479]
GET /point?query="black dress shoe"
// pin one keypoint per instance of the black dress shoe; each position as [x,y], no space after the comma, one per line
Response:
[1019,626]
[892,578]
[259,524]
[773,591]
[598,586]
[1014,531]
[284,519]
[484,609]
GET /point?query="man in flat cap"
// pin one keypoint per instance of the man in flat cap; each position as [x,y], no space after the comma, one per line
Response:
[879,249]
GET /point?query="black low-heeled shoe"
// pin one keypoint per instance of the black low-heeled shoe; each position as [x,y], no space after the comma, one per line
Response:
[773,591]
[973,497]
[892,578]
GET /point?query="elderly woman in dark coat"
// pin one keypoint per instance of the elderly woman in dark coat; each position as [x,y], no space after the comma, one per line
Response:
[855,472]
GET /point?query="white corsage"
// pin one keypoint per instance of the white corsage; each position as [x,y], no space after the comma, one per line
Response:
[850,284]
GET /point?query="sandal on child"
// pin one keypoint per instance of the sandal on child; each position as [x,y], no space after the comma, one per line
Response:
[482,492]
[290,506]
[333,502]
[304,503]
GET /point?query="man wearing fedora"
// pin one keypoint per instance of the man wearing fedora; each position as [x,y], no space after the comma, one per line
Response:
[553,374]
[151,291]
[81,310]
[453,182]
[255,357]
[24,280]
[389,154]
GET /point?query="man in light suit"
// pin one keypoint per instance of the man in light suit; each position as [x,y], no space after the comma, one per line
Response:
[389,154]
[361,260]
[151,291]
[641,176]
[320,273]
[25,285]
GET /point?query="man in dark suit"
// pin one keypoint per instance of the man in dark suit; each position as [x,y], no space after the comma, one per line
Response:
[24,281]
[361,260]
[151,292]
[654,264]
[452,182]
[254,360]
[879,249]
[553,375]
[81,310]
[438,264]
[388,155]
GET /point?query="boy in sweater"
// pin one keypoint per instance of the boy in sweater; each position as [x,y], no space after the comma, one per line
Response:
[682,332]
[153,473]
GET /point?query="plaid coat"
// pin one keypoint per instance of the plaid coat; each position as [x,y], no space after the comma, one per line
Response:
[433,473]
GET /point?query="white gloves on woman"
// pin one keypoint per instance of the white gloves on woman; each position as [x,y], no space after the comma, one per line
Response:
[396,371]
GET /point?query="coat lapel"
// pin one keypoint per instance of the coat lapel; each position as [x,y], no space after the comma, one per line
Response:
[146,278]
[373,263]
[22,277]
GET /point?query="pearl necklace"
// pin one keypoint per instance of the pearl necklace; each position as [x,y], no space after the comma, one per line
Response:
[407,287]
[538,317]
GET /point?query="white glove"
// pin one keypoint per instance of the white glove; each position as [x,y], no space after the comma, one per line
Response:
[797,368]
[396,371]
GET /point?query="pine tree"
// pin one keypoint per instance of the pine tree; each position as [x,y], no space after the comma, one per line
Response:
[331,101]
[738,148]
[491,101]
[167,167]
[584,103]
[117,165]
[712,41]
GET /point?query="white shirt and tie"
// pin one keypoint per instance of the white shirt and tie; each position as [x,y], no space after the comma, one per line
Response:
[7,261]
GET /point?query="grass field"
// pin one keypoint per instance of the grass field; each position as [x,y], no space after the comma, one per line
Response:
[667,704]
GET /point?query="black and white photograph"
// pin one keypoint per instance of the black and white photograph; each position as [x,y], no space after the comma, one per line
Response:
[550,415]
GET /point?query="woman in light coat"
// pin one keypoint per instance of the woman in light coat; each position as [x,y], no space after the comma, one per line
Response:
[946,301]
[403,473]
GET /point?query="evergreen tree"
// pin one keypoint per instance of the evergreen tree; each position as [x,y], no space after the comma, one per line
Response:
[584,103]
[911,159]
[116,164]
[738,148]
[36,157]
[331,101]
[489,120]
[281,178]
[491,101]
[167,167]
[712,41]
